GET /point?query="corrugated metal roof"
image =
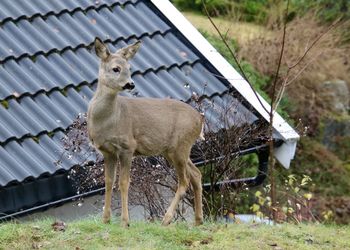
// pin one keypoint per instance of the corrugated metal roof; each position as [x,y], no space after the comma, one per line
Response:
[15,9]
[48,73]
[29,75]
[41,35]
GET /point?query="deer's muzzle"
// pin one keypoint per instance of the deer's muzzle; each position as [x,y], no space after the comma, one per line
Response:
[129,85]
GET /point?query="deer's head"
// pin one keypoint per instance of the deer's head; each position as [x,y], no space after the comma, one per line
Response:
[114,69]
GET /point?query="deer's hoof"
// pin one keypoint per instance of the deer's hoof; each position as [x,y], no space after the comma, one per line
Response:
[198,222]
[125,224]
[165,223]
[106,218]
[167,220]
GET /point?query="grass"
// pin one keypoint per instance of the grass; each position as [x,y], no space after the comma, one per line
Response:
[242,32]
[92,234]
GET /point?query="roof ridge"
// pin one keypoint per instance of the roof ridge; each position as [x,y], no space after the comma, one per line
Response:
[44,16]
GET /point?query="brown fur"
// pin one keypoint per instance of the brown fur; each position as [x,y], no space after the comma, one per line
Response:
[121,127]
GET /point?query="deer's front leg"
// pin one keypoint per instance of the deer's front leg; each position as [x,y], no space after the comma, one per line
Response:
[124,180]
[110,166]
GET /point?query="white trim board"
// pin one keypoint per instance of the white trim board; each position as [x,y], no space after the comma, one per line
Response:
[286,152]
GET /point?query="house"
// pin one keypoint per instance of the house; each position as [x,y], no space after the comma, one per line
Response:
[48,73]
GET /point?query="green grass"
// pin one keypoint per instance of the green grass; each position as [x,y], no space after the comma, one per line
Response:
[92,234]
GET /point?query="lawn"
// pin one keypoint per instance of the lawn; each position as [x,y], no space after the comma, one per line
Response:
[92,234]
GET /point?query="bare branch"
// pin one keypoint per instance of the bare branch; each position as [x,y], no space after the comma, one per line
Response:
[274,85]
[333,25]
[233,55]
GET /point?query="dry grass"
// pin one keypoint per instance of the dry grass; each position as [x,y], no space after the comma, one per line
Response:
[330,57]
[240,31]
[327,61]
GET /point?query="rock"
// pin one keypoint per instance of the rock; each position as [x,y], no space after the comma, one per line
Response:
[336,95]
[336,135]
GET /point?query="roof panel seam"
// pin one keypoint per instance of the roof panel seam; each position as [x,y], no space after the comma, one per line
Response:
[90,84]
[87,46]
[31,136]
[65,11]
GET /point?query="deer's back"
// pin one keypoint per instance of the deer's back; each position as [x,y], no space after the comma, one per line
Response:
[159,125]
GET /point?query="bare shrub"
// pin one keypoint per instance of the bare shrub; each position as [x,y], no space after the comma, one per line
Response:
[151,177]
[230,128]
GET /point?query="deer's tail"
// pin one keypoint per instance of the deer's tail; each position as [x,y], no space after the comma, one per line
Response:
[201,135]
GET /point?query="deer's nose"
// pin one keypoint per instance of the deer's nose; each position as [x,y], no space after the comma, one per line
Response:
[129,85]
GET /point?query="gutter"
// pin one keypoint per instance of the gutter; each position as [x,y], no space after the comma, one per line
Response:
[263,155]
[247,182]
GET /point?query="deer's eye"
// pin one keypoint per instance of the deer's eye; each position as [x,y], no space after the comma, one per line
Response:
[116,70]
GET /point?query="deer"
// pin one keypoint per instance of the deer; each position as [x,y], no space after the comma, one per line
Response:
[122,127]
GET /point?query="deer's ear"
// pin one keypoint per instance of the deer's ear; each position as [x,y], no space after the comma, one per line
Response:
[101,49]
[128,52]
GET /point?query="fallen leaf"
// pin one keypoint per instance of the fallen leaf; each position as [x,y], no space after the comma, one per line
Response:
[36,227]
[275,246]
[93,21]
[309,241]
[195,244]
[36,237]
[36,245]
[206,241]
[59,226]
[187,242]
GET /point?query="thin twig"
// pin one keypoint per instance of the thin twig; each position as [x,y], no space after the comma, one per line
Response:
[302,69]
[286,81]
[336,22]
[274,85]
[233,56]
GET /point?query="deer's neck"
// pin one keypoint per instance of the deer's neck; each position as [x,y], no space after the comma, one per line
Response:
[103,103]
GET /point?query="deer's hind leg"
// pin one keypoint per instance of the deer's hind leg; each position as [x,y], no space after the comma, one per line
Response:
[180,164]
[110,162]
[196,182]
